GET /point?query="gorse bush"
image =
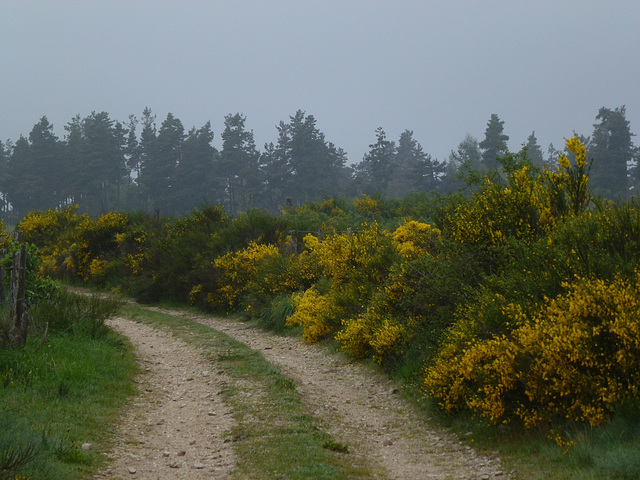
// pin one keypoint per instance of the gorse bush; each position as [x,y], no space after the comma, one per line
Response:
[576,358]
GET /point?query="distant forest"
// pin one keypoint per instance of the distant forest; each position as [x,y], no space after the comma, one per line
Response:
[104,165]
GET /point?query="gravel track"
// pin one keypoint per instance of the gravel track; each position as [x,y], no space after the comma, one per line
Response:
[177,427]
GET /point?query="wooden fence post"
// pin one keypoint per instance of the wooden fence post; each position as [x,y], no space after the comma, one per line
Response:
[18,312]
[3,293]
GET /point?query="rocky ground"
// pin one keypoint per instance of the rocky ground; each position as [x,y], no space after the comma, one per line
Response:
[176,428]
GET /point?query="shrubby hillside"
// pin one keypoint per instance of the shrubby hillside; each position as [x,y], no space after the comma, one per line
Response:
[518,301]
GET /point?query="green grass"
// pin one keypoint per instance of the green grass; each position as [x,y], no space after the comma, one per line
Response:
[274,437]
[59,394]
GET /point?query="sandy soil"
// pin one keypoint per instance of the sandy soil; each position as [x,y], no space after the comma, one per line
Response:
[177,427]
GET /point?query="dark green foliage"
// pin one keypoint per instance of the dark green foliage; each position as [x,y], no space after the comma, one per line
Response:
[612,150]
[74,314]
[38,288]
[374,173]
[238,166]
[494,144]
[533,151]
[193,180]
[274,315]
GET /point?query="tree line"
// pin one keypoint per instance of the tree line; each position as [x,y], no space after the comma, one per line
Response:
[104,165]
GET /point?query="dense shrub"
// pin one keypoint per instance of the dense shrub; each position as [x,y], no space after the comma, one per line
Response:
[576,358]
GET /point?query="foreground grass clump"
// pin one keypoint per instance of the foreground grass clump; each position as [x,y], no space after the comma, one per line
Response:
[63,389]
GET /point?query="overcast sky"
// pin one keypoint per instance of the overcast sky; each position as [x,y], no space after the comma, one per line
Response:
[439,68]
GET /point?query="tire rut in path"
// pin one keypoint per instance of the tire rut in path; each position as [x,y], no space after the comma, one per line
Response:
[176,427]
[363,409]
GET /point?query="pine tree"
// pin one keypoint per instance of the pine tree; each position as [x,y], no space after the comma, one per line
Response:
[494,144]
[161,155]
[374,172]
[415,169]
[102,167]
[466,157]
[534,152]
[612,152]
[41,177]
[4,165]
[239,166]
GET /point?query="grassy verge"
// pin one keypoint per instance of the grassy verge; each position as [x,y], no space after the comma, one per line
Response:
[275,437]
[65,388]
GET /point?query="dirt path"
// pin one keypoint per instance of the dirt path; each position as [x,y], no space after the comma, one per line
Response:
[177,428]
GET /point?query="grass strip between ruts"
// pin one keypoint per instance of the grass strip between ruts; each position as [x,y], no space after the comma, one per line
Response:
[274,437]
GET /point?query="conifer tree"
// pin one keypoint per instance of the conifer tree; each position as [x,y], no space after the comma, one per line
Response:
[494,144]
[612,151]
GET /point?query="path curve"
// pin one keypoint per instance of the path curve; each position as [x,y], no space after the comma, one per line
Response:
[362,409]
[177,426]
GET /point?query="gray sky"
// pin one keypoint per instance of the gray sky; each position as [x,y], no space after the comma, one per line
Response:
[439,68]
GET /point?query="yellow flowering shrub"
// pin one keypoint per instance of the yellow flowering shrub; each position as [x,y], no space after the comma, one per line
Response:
[523,210]
[317,313]
[4,236]
[528,206]
[194,294]
[340,255]
[97,244]
[577,358]
[330,207]
[238,269]
[355,264]
[383,330]
[414,239]
[54,233]
[355,337]
[303,270]
[569,184]
[367,205]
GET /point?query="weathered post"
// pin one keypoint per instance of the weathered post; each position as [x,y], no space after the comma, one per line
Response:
[22,316]
[18,307]
[3,293]
[293,242]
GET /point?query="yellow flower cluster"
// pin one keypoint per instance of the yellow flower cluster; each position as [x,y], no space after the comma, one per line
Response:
[353,263]
[97,267]
[97,243]
[576,358]
[315,312]
[340,254]
[415,239]
[329,206]
[571,182]
[380,331]
[367,205]
[53,232]
[194,294]
[238,269]
[523,211]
